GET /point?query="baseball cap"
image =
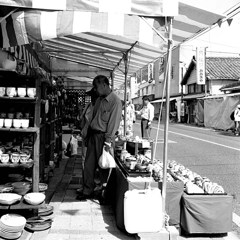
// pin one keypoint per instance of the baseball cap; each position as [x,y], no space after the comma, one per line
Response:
[91,92]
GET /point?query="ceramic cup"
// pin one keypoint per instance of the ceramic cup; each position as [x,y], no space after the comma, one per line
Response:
[24,157]
[2,91]
[1,122]
[21,92]
[17,123]
[15,157]
[11,91]
[31,92]
[25,123]
[5,158]
[8,123]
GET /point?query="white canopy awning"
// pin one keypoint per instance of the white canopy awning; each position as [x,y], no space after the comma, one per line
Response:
[99,39]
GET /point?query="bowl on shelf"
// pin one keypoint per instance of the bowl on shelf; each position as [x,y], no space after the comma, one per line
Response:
[2,91]
[21,188]
[8,123]
[21,92]
[17,123]
[1,122]
[25,123]
[15,157]
[42,187]
[34,198]
[31,92]
[9,198]
[5,158]
[11,91]
[24,158]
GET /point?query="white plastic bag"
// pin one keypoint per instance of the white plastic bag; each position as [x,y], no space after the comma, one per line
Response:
[106,160]
[74,145]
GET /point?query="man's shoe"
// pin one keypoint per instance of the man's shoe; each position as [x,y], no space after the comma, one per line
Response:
[83,197]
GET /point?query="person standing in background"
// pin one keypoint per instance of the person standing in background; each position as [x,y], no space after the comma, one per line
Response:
[105,123]
[237,119]
[147,115]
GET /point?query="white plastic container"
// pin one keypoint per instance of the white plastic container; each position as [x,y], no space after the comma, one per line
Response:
[143,210]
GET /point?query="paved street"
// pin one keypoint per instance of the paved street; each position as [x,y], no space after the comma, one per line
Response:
[208,152]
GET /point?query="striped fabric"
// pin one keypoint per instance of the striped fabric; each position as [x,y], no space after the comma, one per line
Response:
[27,26]
[136,7]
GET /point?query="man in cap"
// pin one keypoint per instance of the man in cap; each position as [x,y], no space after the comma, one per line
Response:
[147,115]
[104,124]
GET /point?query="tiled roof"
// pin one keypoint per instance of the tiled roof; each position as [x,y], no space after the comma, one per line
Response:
[231,86]
[223,68]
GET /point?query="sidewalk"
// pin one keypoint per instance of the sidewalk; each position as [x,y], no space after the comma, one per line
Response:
[87,220]
[74,219]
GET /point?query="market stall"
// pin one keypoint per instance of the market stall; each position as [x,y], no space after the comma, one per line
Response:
[122,49]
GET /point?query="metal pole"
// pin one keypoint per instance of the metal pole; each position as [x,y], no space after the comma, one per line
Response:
[125,91]
[165,149]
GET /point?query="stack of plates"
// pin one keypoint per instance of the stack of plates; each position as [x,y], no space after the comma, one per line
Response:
[11,226]
[45,210]
[38,223]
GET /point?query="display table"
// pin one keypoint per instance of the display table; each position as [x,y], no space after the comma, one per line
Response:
[206,214]
[119,183]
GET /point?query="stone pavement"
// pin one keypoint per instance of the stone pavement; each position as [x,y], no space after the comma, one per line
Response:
[74,219]
[88,220]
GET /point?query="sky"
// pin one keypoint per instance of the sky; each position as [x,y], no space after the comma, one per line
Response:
[218,6]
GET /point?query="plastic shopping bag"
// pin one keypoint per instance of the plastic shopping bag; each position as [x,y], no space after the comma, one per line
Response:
[68,151]
[106,160]
[74,145]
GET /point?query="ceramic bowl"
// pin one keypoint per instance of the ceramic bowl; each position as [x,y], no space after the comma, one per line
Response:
[34,198]
[9,198]
[24,157]
[17,123]
[8,123]
[25,123]
[21,92]
[11,91]
[2,91]
[5,158]
[21,188]
[1,122]
[31,92]
[15,157]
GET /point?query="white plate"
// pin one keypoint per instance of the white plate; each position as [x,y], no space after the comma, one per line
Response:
[13,220]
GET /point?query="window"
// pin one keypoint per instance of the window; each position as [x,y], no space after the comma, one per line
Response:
[196,88]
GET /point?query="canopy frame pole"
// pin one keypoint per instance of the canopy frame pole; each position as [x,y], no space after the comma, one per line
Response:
[125,59]
[165,148]
[10,13]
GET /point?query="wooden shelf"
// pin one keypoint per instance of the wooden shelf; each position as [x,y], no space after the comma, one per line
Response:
[16,165]
[21,205]
[27,130]
[28,99]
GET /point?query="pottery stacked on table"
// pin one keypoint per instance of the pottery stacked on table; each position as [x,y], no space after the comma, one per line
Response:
[11,226]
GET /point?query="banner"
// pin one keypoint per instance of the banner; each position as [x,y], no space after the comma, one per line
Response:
[201,78]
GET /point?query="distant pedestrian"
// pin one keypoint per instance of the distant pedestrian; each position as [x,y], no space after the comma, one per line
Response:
[237,119]
[147,115]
